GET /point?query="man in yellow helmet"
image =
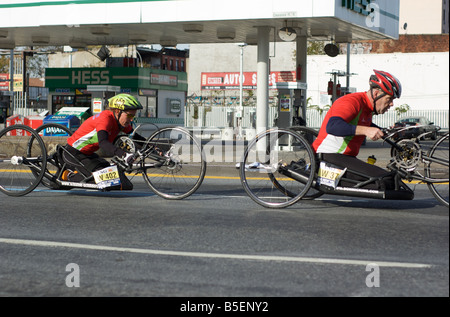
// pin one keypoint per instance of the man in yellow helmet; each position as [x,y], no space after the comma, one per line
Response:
[99,132]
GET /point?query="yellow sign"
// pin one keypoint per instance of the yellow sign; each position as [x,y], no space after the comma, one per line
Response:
[285,104]
[97,105]
[18,82]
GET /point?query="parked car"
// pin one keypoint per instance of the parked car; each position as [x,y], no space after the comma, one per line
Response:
[423,125]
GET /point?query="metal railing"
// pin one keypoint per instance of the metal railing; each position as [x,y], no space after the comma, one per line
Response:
[220,116]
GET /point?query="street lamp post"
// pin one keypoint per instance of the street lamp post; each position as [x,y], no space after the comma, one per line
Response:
[241,79]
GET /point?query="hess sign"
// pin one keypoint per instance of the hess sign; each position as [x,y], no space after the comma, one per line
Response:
[358,6]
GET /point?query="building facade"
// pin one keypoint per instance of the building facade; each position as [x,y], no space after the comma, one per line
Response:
[161,86]
[417,57]
[424,17]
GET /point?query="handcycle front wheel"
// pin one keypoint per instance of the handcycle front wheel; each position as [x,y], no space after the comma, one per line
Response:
[437,167]
[179,168]
[23,160]
[278,168]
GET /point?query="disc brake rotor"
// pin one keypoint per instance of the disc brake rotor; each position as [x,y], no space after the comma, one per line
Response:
[409,157]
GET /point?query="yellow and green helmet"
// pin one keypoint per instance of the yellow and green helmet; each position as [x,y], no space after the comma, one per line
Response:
[124,102]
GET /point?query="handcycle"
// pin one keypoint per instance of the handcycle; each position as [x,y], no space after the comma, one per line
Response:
[279,168]
[171,162]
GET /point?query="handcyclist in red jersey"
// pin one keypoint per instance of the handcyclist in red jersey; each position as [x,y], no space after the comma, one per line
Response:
[99,132]
[349,121]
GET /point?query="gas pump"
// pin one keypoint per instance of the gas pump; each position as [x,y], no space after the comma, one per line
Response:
[334,88]
[291,104]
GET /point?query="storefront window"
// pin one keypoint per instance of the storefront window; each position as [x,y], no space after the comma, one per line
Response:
[61,101]
[2,115]
[151,102]
[83,101]
[148,99]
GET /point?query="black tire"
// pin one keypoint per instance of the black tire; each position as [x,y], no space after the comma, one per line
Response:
[22,166]
[264,159]
[54,130]
[309,134]
[433,136]
[180,171]
[437,167]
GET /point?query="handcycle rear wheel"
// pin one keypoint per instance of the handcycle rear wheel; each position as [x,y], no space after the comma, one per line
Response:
[180,169]
[310,135]
[439,169]
[23,159]
[270,153]
[52,134]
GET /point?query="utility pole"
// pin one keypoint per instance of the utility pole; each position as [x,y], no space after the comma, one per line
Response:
[25,77]
[11,81]
[241,94]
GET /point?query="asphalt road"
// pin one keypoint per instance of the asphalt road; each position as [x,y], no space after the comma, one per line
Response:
[219,243]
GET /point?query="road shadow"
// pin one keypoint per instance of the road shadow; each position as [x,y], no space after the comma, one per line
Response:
[111,194]
[417,204]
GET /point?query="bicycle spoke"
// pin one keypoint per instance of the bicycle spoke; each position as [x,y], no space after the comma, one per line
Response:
[437,168]
[179,165]
[270,164]
[19,176]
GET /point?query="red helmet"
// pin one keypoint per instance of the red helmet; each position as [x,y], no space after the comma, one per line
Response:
[387,83]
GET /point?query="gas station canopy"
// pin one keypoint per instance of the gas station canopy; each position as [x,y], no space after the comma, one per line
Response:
[79,23]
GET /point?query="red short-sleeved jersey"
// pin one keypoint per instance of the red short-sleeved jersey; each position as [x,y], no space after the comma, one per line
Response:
[355,109]
[85,138]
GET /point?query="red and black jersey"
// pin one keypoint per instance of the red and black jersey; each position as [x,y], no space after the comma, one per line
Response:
[337,133]
[85,139]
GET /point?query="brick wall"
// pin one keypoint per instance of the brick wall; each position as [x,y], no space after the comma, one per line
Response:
[415,43]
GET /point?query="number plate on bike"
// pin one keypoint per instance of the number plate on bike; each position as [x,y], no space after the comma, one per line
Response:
[329,175]
[107,177]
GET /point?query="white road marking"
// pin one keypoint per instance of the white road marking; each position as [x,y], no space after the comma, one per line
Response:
[212,255]
[150,193]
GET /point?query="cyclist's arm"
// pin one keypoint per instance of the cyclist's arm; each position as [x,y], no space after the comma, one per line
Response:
[373,133]
[107,147]
[138,137]
[339,127]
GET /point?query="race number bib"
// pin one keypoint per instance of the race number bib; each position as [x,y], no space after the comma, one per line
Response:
[329,175]
[107,177]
